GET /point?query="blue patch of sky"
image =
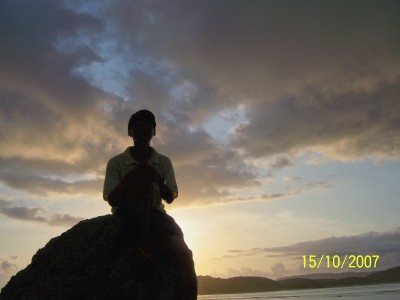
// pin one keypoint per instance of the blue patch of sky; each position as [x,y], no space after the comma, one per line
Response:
[10,194]
[111,76]
[94,8]
[363,191]
[118,65]
[112,72]
[73,178]
[220,124]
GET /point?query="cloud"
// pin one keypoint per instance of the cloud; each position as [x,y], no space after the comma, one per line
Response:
[205,170]
[53,123]
[267,47]
[43,103]
[385,244]
[62,220]
[339,124]
[319,77]
[7,269]
[44,177]
[244,271]
[308,76]
[381,243]
[56,125]
[36,214]
[281,162]
[322,84]
[277,270]
[292,186]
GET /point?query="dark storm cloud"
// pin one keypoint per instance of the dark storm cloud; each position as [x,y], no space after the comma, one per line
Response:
[52,121]
[310,73]
[320,76]
[36,214]
[43,103]
[31,62]
[281,41]
[55,124]
[350,124]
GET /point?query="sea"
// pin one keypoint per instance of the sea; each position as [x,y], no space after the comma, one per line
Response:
[363,292]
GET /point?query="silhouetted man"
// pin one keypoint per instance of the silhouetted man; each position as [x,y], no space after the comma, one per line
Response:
[147,212]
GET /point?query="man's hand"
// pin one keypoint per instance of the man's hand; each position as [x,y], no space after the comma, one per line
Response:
[167,194]
[142,172]
[145,170]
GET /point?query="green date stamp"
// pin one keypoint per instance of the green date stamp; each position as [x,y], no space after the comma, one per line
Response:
[350,261]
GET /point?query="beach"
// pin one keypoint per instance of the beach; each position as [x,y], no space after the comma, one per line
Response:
[365,292]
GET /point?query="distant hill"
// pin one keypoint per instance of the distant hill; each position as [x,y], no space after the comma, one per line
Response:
[329,275]
[209,285]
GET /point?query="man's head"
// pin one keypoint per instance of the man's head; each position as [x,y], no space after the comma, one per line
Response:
[142,126]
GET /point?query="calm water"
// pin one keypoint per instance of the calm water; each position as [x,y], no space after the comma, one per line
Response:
[369,292]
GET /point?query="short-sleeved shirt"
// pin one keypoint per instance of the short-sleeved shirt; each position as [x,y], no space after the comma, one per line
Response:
[122,164]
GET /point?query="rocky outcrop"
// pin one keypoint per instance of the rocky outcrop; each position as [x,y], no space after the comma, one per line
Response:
[95,259]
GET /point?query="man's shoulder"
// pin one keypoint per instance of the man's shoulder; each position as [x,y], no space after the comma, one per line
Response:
[161,157]
[121,157]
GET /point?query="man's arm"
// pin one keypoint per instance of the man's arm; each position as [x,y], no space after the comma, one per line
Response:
[169,189]
[114,185]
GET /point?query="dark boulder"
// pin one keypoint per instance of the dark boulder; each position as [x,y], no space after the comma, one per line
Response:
[95,259]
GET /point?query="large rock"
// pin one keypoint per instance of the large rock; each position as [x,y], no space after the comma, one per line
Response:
[93,260]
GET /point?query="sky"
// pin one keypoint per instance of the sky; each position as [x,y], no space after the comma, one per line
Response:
[281,119]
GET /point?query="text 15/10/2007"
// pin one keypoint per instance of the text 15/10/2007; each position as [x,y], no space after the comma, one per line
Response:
[350,261]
